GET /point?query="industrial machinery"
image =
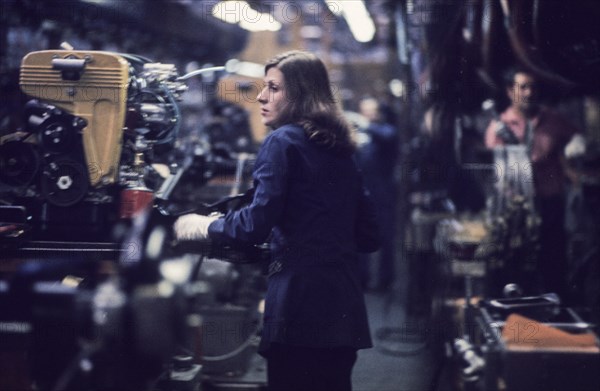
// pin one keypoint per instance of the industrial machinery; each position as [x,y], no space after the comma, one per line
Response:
[504,337]
[96,129]
[512,246]
[158,318]
[95,293]
[524,343]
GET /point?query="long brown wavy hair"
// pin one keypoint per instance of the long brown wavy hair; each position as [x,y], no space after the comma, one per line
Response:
[310,102]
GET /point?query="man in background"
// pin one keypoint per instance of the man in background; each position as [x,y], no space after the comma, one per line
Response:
[545,133]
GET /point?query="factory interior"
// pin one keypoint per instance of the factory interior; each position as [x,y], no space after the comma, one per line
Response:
[119,116]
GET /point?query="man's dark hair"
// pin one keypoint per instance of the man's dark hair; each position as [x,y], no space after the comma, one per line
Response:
[508,76]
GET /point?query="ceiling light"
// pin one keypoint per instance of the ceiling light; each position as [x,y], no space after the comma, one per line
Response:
[241,13]
[359,21]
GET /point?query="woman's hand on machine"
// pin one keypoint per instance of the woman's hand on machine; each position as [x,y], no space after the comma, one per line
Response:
[193,226]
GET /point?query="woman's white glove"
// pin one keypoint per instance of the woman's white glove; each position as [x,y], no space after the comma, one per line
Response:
[193,226]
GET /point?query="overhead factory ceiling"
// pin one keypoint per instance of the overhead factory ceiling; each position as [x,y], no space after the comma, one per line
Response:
[132,25]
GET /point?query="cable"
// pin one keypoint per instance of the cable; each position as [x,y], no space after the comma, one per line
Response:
[234,352]
[199,72]
[173,132]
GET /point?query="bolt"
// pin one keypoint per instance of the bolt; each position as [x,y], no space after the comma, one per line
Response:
[64,182]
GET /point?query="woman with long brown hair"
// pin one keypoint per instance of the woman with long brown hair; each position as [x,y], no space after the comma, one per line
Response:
[310,201]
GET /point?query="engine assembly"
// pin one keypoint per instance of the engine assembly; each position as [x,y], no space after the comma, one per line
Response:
[90,137]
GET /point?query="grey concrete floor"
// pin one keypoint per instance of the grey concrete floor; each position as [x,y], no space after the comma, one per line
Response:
[396,364]
[400,361]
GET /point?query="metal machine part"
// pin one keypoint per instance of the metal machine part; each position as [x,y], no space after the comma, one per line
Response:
[106,99]
[511,248]
[19,163]
[89,139]
[515,178]
[473,363]
[518,356]
[64,182]
[89,85]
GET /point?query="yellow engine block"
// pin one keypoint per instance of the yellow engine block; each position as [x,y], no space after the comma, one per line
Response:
[91,85]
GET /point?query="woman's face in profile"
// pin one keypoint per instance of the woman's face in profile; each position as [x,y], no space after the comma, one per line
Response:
[272,97]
